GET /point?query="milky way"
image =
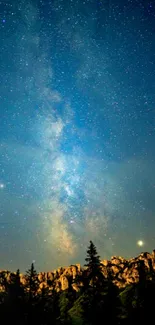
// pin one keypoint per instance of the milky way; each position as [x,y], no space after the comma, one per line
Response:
[77,130]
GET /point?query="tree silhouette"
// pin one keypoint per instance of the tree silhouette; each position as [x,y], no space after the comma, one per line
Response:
[93,264]
[92,259]
[16,297]
[94,300]
[13,297]
[15,286]
[90,305]
[32,282]
[31,288]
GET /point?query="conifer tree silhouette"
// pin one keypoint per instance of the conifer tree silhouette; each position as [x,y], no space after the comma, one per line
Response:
[93,265]
[32,282]
[31,287]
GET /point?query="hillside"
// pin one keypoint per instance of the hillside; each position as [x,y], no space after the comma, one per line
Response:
[122,272]
[118,290]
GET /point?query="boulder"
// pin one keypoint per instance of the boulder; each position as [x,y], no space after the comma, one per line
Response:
[64,282]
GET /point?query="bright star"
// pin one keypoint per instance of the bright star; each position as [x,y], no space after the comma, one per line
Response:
[68,190]
[72,221]
[140,243]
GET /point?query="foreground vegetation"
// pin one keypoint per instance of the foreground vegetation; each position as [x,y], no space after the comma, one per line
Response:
[98,301]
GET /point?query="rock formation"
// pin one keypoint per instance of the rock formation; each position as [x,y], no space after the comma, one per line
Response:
[122,272]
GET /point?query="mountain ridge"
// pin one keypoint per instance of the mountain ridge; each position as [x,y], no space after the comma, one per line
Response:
[121,271]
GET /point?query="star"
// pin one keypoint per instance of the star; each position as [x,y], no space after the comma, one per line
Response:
[76,133]
[140,243]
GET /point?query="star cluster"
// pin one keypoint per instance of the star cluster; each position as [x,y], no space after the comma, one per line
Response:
[77,130]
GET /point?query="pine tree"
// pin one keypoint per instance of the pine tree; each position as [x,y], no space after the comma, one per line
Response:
[15,286]
[31,287]
[93,265]
[16,297]
[93,259]
[32,282]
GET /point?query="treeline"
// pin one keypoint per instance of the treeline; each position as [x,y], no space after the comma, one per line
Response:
[98,300]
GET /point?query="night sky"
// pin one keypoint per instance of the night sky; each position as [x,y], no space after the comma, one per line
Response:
[77,130]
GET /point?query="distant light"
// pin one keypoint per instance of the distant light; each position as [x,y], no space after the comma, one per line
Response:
[3,20]
[140,243]
[1,185]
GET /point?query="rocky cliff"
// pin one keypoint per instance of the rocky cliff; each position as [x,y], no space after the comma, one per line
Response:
[122,272]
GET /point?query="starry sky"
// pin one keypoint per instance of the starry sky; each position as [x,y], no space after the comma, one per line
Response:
[77,130]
